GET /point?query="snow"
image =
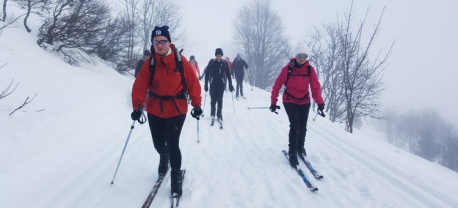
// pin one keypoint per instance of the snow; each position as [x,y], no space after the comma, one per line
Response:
[61,150]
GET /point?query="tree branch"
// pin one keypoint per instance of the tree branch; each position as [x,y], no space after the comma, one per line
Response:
[24,104]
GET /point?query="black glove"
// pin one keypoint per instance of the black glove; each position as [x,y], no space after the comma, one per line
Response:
[321,107]
[273,108]
[196,112]
[206,87]
[231,88]
[320,110]
[136,114]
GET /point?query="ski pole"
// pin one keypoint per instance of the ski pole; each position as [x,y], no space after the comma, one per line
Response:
[277,107]
[319,112]
[205,99]
[232,95]
[124,149]
[198,131]
[197,118]
[258,107]
[315,116]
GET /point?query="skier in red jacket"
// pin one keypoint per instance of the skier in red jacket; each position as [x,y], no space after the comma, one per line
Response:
[297,76]
[166,104]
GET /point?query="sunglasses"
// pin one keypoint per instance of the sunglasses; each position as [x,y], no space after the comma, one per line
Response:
[301,56]
[162,42]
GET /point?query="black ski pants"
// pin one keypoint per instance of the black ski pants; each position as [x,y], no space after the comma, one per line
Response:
[166,137]
[298,116]
[239,86]
[216,95]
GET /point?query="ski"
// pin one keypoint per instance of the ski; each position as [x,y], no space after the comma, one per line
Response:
[175,196]
[309,166]
[151,195]
[310,186]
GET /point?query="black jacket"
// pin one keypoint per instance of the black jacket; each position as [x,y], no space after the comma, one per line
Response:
[216,72]
[239,65]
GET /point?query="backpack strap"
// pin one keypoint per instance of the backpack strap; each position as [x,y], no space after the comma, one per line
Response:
[183,94]
[152,69]
[180,68]
[290,69]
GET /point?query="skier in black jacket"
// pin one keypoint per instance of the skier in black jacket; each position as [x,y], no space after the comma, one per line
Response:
[140,62]
[238,68]
[216,70]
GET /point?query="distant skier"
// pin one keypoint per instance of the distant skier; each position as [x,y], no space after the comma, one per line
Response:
[238,68]
[140,62]
[297,76]
[215,72]
[166,105]
[195,65]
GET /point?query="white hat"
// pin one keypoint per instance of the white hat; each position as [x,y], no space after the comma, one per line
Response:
[301,48]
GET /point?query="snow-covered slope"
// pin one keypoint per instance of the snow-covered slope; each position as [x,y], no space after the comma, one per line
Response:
[62,149]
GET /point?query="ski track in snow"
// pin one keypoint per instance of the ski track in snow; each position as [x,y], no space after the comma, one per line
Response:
[422,198]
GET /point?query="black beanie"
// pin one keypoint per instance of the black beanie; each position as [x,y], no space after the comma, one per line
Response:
[161,31]
[219,51]
[192,57]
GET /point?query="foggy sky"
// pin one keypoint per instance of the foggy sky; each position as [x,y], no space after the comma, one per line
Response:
[421,73]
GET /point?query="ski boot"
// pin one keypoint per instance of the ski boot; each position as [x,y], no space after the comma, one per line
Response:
[293,157]
[176,182]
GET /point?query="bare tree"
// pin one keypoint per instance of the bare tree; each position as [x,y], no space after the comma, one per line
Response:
[130,14]
[325,56]
[157,13]
[449,154]
[113,43]
[259,33]
[74,27]
[352,80]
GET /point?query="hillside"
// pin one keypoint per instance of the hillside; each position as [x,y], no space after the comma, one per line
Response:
[62,149]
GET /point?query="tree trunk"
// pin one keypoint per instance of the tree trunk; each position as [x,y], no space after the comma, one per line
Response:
[29,5]
[4,10]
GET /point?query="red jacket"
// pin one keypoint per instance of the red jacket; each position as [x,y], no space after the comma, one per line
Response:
[167,82]
[297,86]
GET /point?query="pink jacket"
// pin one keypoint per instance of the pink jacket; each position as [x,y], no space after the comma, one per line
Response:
[195,66]
[297,86]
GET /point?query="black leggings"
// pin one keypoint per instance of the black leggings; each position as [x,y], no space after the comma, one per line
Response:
[239,86]
[166,136]
[216,95]
[297,115]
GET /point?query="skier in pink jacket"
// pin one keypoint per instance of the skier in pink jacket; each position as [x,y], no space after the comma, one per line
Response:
[299,77]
